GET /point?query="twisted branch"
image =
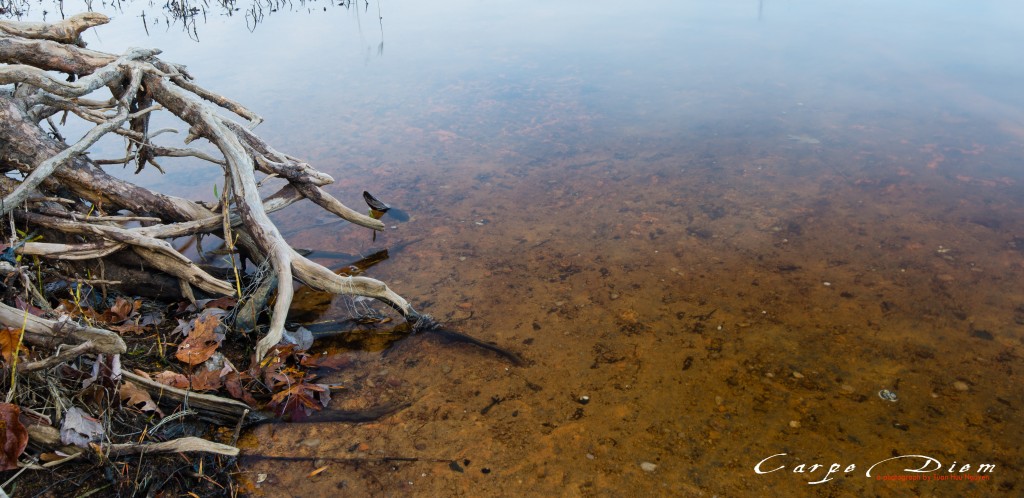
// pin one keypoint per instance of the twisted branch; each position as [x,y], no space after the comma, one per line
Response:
[139,83]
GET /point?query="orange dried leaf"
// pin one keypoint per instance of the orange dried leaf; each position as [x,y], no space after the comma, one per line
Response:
[202,342]
[9,338]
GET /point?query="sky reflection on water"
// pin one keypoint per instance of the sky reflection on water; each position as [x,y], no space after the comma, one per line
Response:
[657,67]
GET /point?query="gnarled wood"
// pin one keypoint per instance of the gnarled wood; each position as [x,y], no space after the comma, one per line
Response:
[139,83]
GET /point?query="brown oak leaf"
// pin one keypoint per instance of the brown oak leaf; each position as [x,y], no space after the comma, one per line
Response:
[201,342]
[207,380]
[172,379]
[138,398]
[13,436]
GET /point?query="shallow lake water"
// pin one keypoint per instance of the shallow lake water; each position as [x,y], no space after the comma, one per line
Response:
[721,234]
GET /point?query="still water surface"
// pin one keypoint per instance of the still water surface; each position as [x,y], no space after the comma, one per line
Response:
[729,225]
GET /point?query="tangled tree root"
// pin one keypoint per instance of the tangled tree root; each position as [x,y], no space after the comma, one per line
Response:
[65,191]
[59,205]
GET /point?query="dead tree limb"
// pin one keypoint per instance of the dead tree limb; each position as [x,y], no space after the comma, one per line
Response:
[139,83]
[48,333]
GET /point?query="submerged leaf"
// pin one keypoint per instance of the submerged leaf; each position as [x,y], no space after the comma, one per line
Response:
[301,337]
[324,360]
[13,436]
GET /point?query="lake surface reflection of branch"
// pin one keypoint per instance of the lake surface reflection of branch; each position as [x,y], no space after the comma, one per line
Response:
[188,15]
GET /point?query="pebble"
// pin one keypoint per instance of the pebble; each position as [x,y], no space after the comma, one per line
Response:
[794,424]
[311,443]
[648,466]
[961,386]
[798,375]
[846,388]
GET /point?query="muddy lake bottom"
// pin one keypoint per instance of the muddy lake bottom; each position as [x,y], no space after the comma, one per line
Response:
[686,310]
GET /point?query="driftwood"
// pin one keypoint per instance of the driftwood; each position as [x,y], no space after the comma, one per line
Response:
[58,204]
[221,410]
[49,438]
[65,192]
[50,333]
[181,445]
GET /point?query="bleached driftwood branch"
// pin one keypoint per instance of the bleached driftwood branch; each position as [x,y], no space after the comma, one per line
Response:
[140,84]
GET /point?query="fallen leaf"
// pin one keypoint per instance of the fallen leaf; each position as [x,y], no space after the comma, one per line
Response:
[22,305]
[138,398]
[151,318]
[79,428]
[317,471]
[172,379]
[222,302]
[106,371]
[325,395]
[8,341]
[333,361]
[202,342]
[121,310]
[13,436]
[206,380]
[301,337]
[77,309]
[233,383]
[184,328]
